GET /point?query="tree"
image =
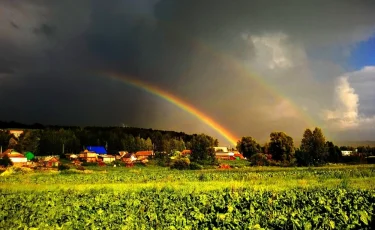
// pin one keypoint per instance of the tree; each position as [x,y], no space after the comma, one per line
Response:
[5,161]
[29,141]
[281,146]
[4,139]
[248,146]
[202,148]
[334,152]
[265,148]
[148,144]
[313,148]
[128,143]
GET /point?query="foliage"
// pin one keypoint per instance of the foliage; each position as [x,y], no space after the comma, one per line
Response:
[281,146]
[248,146]
[4,139]
[195,166]
[313,150]
[174,209]
[334,153]
[181,163]
[160,175]
[89,163]
[28,141]
[162,159]
[202,148]
[259,159]
[53,140]
[62,167]
[5,161]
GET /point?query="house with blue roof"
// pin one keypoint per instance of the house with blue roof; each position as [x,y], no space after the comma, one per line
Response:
[97,149]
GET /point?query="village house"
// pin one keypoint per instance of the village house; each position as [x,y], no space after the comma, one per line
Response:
[17,158]
[88,156]
[223,153]
[185,152]
[97,149]
[347,152]
[51,161]
[106,158]
[129,157]
[16,133]
[238,155]
[144,154]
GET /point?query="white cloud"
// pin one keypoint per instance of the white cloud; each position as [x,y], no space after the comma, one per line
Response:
[273,52]
[354,92]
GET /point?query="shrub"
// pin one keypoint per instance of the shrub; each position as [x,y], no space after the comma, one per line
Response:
[182,163]
[5,161]
[195,166]
[63,167]
[203,177]
[89,163]
[118,163]
[259,159]
[81,168]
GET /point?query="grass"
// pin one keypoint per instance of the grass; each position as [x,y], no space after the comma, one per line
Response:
[257,178]
[154,197]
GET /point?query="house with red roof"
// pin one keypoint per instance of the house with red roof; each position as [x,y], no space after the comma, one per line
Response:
[185,152]
[17,158]
[144,154]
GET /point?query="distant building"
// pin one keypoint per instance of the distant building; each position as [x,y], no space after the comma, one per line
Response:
[107,158]
[17,159]
[346,152]
[221,149]
[88,156]
[185,152]
[97,149]
[16,133]
[144,154]
[51,161]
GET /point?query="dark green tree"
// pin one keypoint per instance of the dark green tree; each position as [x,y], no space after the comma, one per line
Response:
[29,140]
[202,149]
[281,147]
[4,139]
[248,146]
[313,150]
[334,152]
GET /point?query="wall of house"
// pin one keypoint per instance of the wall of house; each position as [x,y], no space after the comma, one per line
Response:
[346,153]
[108,159]
[18,159]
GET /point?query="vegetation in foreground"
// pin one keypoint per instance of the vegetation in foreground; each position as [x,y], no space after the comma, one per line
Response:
[176,209]
[160,198]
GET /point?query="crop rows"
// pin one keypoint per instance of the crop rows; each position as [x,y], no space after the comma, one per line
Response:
[171,209]
[143,176]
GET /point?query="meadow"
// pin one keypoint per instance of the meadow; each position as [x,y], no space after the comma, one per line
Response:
[152,197]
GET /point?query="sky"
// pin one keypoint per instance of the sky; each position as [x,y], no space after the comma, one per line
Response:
[253,67]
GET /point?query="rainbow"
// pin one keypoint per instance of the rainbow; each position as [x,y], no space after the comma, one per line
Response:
[176,101]
[241,70]
[233,63]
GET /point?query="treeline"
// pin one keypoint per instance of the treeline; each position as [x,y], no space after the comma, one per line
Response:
[314,150]
[57,139]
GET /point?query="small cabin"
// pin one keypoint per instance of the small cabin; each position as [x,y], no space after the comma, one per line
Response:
[51,162]
[107,158]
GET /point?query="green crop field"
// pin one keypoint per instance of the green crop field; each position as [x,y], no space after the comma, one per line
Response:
[151,197]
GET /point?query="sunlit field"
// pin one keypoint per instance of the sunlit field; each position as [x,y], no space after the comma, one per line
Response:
[153,197]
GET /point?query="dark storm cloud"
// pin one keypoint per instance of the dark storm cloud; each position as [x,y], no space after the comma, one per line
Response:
[53,46]
[46,30]
[6,70]
[14,25]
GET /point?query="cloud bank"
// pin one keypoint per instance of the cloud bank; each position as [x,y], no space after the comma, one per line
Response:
[253,66]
